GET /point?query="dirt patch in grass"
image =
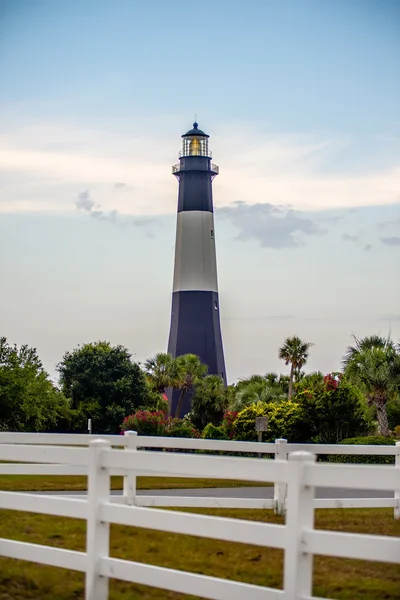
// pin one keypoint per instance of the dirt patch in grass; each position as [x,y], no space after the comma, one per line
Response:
[333,578]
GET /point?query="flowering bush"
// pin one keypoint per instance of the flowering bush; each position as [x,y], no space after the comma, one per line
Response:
[228,423]
[146,422]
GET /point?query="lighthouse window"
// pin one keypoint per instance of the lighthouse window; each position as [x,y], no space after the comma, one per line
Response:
[212,234]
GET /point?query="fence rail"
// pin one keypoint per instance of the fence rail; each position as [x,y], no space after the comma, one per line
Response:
[280,449]
[298,538]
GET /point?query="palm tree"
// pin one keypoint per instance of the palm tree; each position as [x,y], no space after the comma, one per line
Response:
[189,370]
[209,400]
[161,371]
[295,352]
[369,342]
[257,391]
[374,363]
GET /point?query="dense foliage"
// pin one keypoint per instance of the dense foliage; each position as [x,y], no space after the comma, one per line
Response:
[29,401]
[332,408]
[103,384]
[370,440]
[158,423]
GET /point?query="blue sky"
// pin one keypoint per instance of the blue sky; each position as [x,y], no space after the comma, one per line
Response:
[300,99]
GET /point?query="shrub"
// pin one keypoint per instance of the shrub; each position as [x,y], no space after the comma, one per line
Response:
[285,420]
[146,422]
[181,428]
[393,413]
[370,459]
[333,409]
[396,431]
[211,432]
[228,423]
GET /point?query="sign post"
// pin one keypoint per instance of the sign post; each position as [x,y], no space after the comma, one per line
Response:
[89,426]
[261,425]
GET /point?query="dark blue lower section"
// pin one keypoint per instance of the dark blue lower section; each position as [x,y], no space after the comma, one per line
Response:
[196,329]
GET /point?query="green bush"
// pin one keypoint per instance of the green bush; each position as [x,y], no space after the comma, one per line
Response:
[181,428]
[369,459]
[393,413]
[211,432]
[285,420]
[333,409]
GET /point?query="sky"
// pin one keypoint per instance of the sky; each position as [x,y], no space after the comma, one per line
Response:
[300,99]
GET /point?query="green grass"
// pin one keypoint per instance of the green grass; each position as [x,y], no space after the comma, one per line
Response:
[43,483]
[333,578]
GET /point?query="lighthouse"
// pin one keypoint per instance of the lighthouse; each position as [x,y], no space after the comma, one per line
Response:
[195,316]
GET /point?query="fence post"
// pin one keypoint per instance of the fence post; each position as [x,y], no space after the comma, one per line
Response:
[97,532]
[280,489]
[397,492]
[298,566]
[130,477]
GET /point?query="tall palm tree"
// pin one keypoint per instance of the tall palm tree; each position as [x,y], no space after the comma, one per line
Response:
[189,370]
[161,371]
[374,364]
[294,352]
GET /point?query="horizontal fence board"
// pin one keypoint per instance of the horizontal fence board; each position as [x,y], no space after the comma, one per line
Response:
[44,504]
[41,469]
[209,467]
[44,555]
[184,582]
[204,502]
[382,477]
[211,445]
[59,439]
[44,454]
[356,449]
[230,530]
[352,545]
[355,503]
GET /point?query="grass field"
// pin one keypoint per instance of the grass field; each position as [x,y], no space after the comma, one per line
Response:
[38,483]
[333,578]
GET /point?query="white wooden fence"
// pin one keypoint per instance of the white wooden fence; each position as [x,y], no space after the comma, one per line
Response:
[280,449]
[298,538]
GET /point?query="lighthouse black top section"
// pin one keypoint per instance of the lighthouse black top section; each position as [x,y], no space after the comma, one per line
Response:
[195,131]
[195,192]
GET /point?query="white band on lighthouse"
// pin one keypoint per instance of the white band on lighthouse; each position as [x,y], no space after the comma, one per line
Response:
[195,259]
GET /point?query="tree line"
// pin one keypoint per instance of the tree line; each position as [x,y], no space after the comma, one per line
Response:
[101,382]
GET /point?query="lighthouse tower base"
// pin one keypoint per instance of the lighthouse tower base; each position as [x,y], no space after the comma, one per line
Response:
[195,329]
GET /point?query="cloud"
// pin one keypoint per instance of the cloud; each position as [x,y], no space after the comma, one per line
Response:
[389,318]
[272,226]
[40,161]
[346,237]
[84,202]
[334,220]
[367,247]
[391,241]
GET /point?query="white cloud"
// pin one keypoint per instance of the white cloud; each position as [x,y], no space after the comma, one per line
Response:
[43,167]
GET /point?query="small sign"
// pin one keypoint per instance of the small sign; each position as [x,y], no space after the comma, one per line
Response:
[261,423]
